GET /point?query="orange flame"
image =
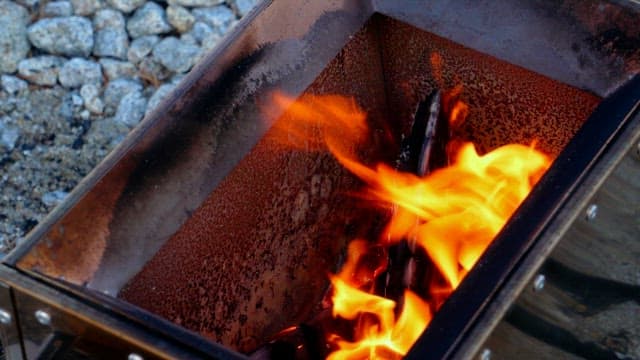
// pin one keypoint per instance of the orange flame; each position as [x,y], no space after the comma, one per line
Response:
[381,336]
[453,214]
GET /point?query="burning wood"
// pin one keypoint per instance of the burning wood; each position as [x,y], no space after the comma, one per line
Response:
[424,151]
[443,217]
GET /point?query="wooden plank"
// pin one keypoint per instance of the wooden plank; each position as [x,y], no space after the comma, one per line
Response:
[589,306]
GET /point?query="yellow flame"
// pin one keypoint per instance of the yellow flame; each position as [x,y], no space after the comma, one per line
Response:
[453,214]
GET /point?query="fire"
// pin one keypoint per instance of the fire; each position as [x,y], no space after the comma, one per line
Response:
[452,214]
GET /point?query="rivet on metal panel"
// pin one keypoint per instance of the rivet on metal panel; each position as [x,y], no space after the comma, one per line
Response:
[485,354]
[538,282]
[134,356]
[5,317]
[43,317]
[592,212]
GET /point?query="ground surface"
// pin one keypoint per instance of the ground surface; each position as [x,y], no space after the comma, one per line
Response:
[76,76]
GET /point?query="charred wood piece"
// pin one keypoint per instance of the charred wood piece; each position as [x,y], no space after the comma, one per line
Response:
[422,152]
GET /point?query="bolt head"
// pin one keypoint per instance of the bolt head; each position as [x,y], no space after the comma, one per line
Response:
[43,317]
[485,354]
[592,212]
[134,356]
[538,282]
[5,317]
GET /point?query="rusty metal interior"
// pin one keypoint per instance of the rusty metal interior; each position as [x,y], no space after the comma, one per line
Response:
[285,216]
[203,219]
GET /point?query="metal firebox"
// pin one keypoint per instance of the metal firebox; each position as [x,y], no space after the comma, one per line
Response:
[195,239]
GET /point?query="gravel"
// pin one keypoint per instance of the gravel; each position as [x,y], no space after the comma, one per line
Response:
[8,134]
[180,18]
[141,47]
[175,55]
[41,70]
[111,37]
[220,18]
[196,3]
[28,3]
[160,94]
[126,6]
[86,7]
[114,69]
[70,36]
[76,76]
[242,7]
[78,71]
[90,94]
[58,8]
[150,19]
[131,109]
[12,85]
[117,89]
[53,198]
[13,39]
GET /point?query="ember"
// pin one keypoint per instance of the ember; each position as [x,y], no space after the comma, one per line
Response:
[452,214]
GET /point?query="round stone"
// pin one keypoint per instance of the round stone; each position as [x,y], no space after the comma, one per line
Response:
[12,84]
[180,18]
[58,8]
[40,70]
[175,55]
[220,18]
[196,3]
[86,7]
[141,47]
[90,94]
[117,89]
[150,19]
[126,6]
[78,71]
[131,109]
[13,37]
[71,35]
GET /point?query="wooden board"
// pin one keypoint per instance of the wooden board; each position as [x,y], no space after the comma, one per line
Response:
[589,306]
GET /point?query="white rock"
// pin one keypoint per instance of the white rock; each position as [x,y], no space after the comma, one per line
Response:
[108,18]
[242,7]
[180,18]
[220,18]
[114,69]
[210,42]
[195,3]
[201,31]
[117,89]
[12,84]
[111,38]
[78,71]
[152,70]
[188,38]
[41,70]
[13,38]
[86,7]
[126,6]
[90,94]
[71,35]
[141,47]
[150,19]
[111,42]
[9,134]
[58,8]
[131,109]
[160,94]
[175,55]
[28,3]
[54,198]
